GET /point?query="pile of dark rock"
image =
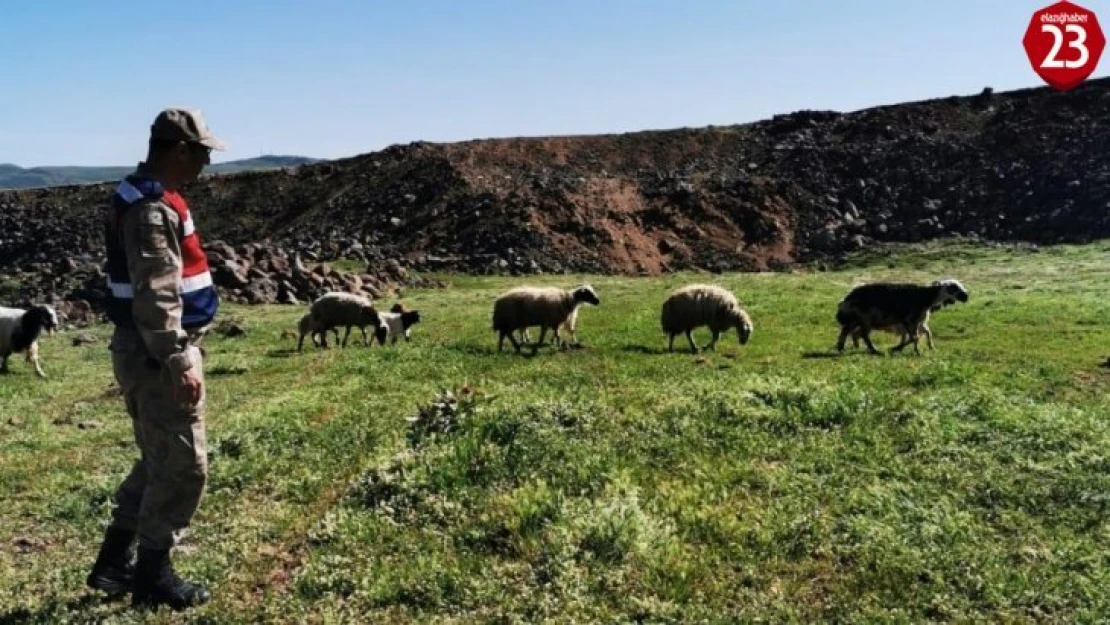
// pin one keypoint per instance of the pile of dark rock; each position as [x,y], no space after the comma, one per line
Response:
[253,273]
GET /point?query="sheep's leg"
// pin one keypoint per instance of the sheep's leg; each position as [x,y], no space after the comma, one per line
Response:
[916,340]
[543,336]
[500,340]
[512,339]
[4,363]
[928,335]
[569,327]
[690,338]
[670,342]
[909,335]
[866,336]
[906,340]
[558,340]
[365,341]
[346,336]
[713,341]
[33,359]
[844,330]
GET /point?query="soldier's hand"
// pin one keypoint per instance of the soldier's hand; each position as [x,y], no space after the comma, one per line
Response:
[187,388]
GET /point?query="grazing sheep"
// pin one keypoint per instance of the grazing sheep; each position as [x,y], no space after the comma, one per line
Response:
[547,307]
[894,305]
[695,305]
[399,320]
[19,333]
[338,309]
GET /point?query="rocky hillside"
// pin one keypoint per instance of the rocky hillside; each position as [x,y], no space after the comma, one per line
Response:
[1023,165]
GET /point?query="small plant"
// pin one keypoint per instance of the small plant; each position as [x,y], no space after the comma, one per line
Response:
[443,415]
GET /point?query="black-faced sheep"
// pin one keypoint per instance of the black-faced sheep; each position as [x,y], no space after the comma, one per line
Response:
[345,310]
[546,307]
[399,320]
[19,333]
[899,306]
[696,305]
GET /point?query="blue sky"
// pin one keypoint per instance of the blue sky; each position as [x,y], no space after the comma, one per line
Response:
[81,79]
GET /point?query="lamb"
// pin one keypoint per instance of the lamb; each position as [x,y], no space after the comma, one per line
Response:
[305,328]
[547,307]
[570,325]
[894,305]
[695,305]
[338,309]
[900,331]
[399,320]
[20,330]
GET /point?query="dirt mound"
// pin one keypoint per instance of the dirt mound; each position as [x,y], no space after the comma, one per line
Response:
[1022,165]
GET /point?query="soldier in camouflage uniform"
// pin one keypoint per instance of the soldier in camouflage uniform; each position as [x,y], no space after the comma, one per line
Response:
[161,295]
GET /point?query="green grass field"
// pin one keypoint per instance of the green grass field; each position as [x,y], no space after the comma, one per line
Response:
[771,482]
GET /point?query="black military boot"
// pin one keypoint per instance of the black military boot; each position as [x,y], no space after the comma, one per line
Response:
[114,571]
[157,584]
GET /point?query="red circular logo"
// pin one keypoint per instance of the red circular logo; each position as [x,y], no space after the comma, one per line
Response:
[1064,43]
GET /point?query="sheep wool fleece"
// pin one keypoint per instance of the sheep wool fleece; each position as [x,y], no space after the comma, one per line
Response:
[150,349]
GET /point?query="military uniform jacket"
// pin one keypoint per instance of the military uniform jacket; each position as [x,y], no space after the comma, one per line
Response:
[158,278]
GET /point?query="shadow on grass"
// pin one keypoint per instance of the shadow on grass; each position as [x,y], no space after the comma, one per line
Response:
[652,350]
[224,370]
[526,351]
[680,351]
[827,354]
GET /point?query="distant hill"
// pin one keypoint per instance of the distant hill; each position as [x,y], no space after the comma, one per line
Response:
[15,177]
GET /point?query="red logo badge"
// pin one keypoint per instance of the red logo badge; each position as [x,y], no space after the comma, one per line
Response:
[1064,43]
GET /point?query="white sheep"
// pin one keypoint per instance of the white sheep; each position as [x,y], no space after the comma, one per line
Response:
[19,333]
[695,305]
[338,309]
[547,307]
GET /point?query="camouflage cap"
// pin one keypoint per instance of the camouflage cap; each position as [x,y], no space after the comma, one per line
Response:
[182,124]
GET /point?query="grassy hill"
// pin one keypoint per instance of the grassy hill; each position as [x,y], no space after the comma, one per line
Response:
[774,482]
[15,177]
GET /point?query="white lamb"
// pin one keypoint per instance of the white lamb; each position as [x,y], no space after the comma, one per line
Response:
[570,325]
[399,322]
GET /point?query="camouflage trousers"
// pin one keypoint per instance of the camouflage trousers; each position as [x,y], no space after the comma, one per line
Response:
[160,495]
